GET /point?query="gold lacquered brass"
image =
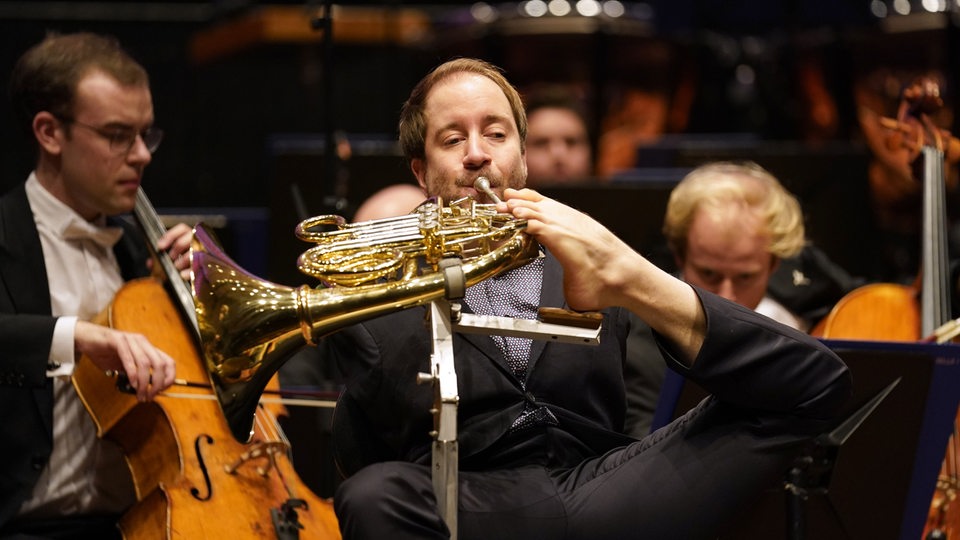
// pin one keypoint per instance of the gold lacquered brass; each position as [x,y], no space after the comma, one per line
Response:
[249,327]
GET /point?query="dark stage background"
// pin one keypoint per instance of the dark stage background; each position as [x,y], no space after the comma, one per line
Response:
[250,94]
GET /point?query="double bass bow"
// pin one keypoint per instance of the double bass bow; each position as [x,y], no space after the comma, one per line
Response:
[192,478]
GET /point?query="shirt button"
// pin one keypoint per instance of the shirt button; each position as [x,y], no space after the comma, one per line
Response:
[37,462]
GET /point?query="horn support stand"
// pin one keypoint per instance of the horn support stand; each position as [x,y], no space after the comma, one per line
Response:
[445,319]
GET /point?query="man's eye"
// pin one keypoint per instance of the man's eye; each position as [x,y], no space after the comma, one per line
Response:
[708,276]
[121,136]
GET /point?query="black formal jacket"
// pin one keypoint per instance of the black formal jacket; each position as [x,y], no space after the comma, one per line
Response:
[747,360]
[26,330]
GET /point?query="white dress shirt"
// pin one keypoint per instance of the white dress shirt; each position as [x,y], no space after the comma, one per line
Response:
[778,312]
[85,474]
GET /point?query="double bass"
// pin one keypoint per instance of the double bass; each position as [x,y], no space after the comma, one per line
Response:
[192,478]
[921,311]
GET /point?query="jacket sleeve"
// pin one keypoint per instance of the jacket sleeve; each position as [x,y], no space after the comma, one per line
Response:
[24,349]
[752,362]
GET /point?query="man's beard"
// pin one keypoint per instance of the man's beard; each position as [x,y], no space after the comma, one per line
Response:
[497,183]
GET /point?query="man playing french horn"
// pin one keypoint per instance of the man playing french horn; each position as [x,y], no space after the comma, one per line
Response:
[540,452]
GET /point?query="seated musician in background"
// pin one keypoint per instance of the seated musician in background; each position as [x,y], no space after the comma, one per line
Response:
[63,255]
[391,201]
[558,138]
[732,228]
[540,449]
[896,188]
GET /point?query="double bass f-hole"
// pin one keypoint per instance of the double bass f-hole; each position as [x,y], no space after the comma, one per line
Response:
[197,443]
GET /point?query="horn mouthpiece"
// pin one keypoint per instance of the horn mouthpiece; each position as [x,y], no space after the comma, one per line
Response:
[483,185]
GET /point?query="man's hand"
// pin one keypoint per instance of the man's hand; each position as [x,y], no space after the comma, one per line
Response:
[176,242]
[148,369]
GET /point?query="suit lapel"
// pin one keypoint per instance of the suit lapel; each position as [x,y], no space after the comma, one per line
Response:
[23,275]
[551,295]
[484,343]
[21,255]
[131,251]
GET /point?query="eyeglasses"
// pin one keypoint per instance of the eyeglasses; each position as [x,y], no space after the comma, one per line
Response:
[122,139]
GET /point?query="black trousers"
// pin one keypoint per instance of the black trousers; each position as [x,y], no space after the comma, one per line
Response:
[66,528]
[684,481]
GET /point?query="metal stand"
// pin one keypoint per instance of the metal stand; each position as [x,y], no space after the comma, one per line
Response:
[443,376]
[811,472]
[445,318]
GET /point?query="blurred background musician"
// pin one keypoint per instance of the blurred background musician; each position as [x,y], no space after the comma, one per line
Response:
[731,228]
[558,147]
[895,189]
[393,200]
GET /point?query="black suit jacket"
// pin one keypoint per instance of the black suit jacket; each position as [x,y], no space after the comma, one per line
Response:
[26,330]
[380,360]
[746,359]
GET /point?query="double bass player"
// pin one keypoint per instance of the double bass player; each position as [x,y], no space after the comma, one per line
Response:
[63,254]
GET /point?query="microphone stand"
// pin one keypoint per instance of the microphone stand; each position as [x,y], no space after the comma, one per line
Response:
[811,472]
[333,198]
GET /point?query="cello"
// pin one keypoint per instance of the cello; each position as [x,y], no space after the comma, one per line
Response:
[921,311]
[192,478]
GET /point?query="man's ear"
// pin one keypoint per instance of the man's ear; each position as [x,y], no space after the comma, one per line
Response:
[677,260]
[49,132]
[419,171]
[774,263]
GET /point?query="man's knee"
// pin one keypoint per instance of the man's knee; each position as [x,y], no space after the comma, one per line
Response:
[392,497]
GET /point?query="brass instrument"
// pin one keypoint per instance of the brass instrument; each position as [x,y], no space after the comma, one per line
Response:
[249,327]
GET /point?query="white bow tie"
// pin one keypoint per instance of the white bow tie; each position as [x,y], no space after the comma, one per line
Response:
[78,229]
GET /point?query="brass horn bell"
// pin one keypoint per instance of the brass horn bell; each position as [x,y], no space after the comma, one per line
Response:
[249,327]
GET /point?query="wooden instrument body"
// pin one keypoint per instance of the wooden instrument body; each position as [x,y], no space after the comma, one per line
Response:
[192,478]
[170,442]
[878,311]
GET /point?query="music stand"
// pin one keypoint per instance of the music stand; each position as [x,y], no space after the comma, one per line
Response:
[882,482]
[811,472]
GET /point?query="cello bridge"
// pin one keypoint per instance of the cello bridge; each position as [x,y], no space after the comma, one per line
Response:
[266,452]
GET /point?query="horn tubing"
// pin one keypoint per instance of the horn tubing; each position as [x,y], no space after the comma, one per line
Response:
[250,327]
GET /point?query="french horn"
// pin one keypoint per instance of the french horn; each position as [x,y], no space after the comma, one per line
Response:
[249,327]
